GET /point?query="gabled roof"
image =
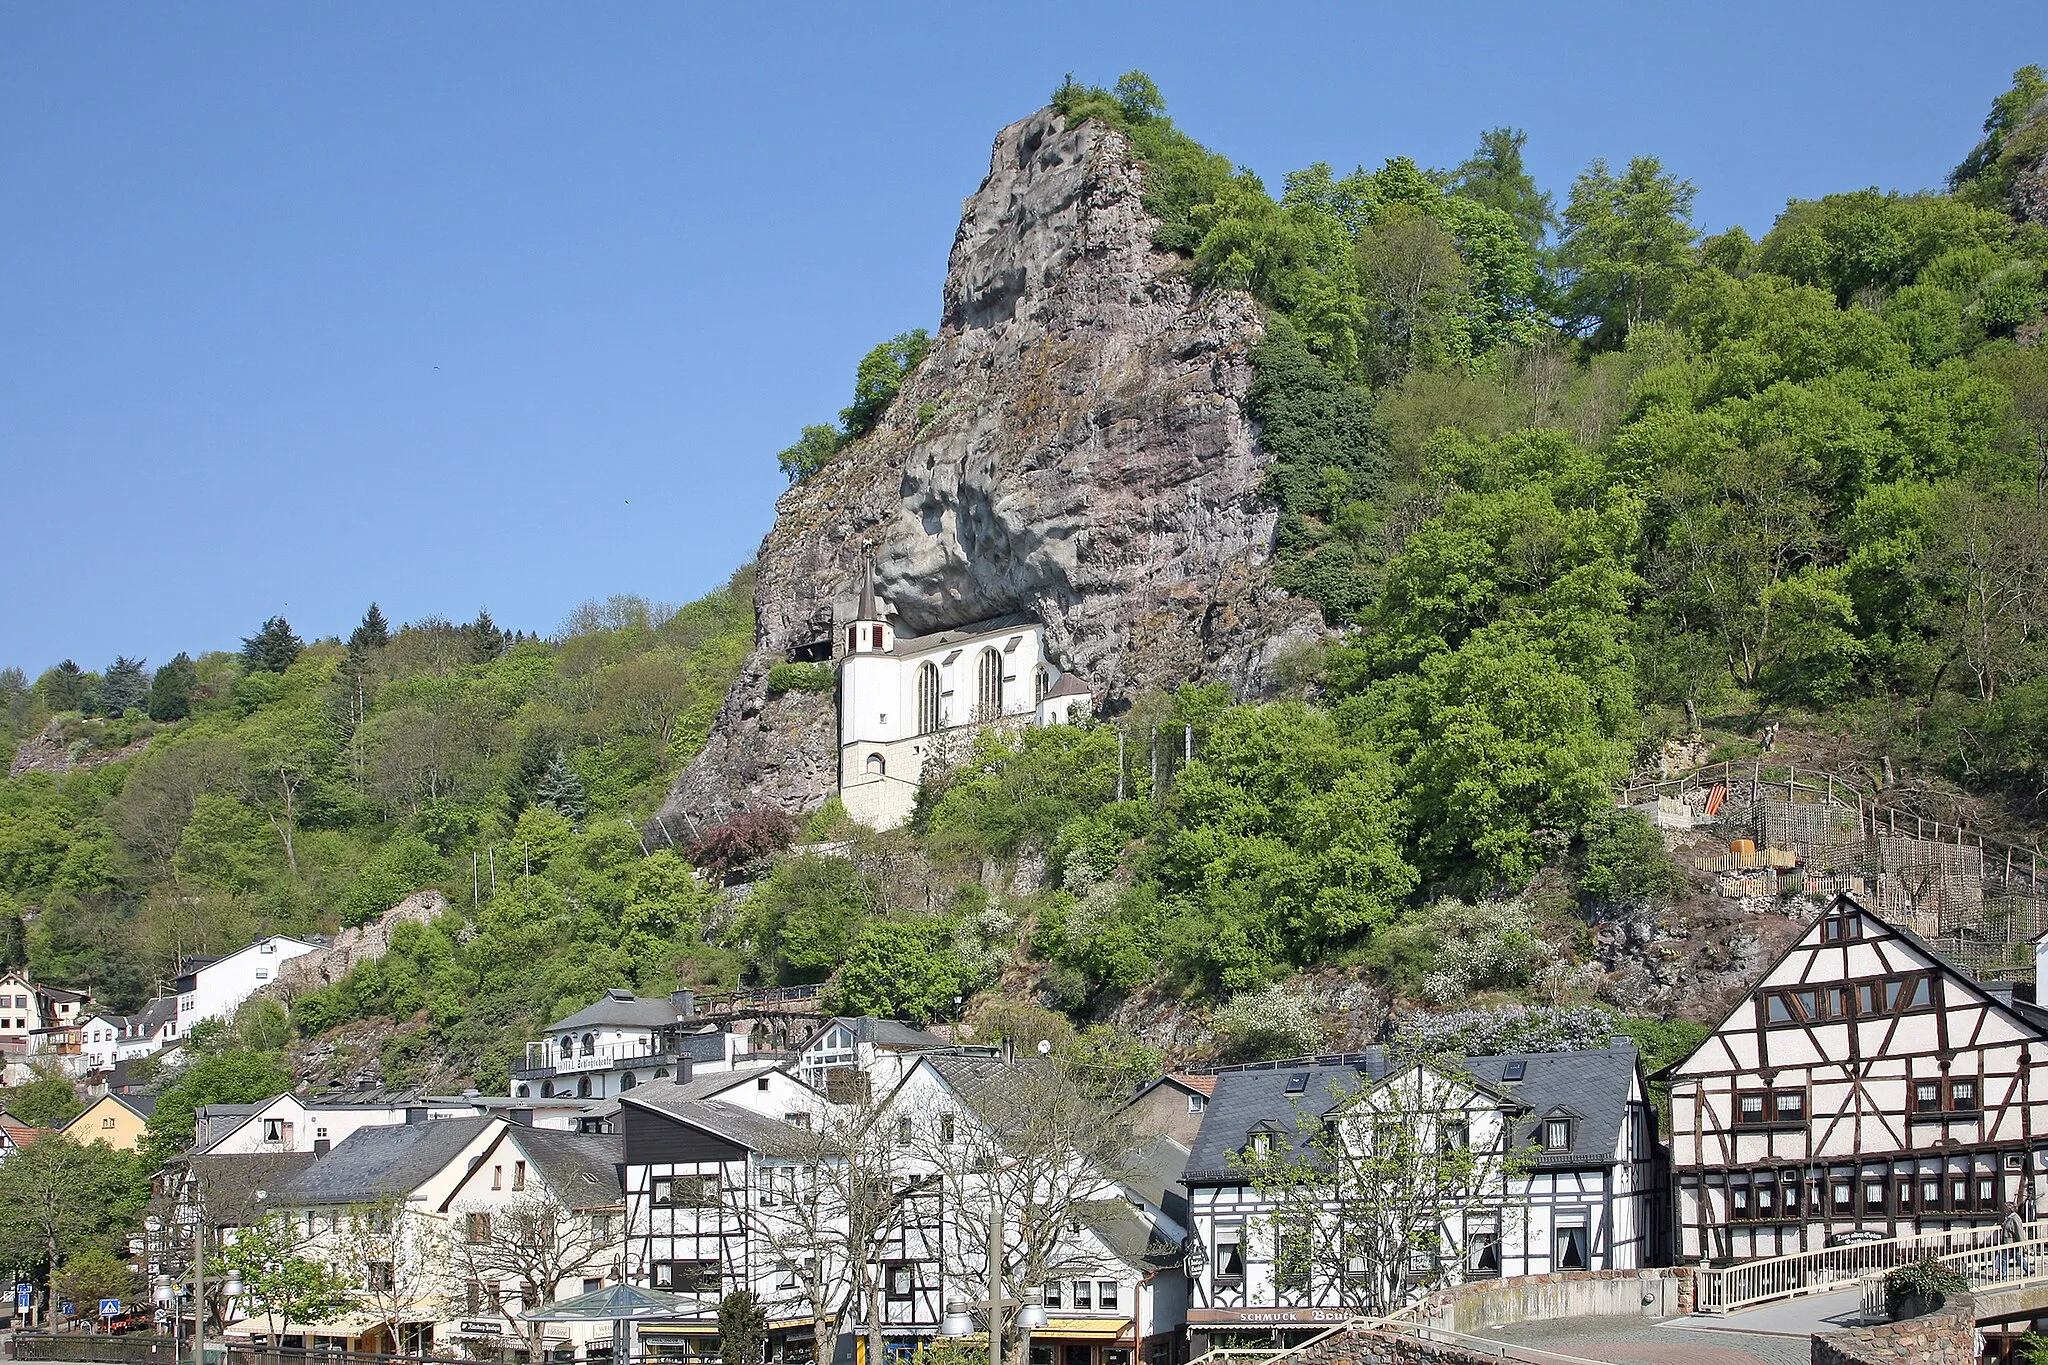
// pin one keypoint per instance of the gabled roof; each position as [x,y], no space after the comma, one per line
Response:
[2031,1019]
[242,1189]
[582,1170]
[882,1033]
[1069,685]
[939,639]
[1154,1173]
[1595,1084]
[142,1106]
[383,1161]
[663,1093]
[17,1133]
[744,1127]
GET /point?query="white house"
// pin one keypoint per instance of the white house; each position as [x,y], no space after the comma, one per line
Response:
[903,698]
[871,1055]
[622,1040]
[1583,1191]
[1865,1085]
[109,1039]
[215,987]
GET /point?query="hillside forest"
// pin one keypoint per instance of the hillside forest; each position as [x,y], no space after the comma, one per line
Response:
[1566,477]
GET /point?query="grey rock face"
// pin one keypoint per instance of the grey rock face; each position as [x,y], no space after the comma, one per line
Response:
[1075,447]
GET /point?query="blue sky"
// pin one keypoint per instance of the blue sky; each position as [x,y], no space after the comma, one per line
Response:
[510,305]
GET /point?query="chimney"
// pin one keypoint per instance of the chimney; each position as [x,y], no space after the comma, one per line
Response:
[321,1147]
[685,1003]
[415,1114]
[521,1117]
[686,1068]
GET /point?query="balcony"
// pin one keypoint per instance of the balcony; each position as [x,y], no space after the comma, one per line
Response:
[546,1059]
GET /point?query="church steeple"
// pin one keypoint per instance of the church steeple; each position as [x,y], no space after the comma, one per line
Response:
[869,632]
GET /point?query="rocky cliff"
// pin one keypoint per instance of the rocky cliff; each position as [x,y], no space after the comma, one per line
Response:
[1075,446]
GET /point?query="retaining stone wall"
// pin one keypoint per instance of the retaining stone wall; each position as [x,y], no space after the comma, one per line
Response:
[1947,1336]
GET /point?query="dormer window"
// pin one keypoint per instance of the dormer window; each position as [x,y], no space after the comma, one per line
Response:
[1261,1145]
[1557,1135]
[1196,1104]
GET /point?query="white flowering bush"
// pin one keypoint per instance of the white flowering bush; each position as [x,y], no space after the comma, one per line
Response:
[1257,1026]
[1482,946]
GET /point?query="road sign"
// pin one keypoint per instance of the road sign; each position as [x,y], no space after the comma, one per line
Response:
[24,1295]
[110,1308]
[69,1308]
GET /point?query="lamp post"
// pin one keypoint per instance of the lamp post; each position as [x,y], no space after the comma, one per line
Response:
[959,1321]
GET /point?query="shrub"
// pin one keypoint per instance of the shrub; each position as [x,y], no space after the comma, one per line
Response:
[801,678]
[1512,1028]
[405,865]
[1257,1026]
[1626,860]
[1482,945]
[1924,1280]
[743,842]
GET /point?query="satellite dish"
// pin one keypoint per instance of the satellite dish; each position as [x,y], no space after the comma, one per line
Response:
[1045,1047]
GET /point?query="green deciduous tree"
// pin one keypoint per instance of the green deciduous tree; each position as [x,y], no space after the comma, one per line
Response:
[880,374]
[1627,246]
[281,1282]
[48,1101]
[814,449]
[59,1197]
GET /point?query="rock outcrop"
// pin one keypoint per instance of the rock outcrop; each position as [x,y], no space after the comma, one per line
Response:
[1075,447]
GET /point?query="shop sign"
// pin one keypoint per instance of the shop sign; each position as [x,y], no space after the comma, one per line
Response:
[1268,1317]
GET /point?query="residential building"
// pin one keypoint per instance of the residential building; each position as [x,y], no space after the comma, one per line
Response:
[26,1007]
[1171,1106]
[906,698]
[216,987]
[622,1040]
[1864,1086]
[1573,1177]
[120,1121]
[861,1057]
[109,1039]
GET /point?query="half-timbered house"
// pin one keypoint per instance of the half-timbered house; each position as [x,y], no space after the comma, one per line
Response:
[1583,1191]
[1864,1085]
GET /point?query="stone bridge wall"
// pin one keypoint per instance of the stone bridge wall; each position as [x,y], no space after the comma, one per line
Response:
[1947,1336]
[1473,1307]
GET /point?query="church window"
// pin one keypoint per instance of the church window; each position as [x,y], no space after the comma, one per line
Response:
[877,637]
[852,638]
[989,684]
[877,766]
[1041,683]
[927,698]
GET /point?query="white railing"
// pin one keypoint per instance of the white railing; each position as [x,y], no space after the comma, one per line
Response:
[2003,1264]
[547,1057]
[1723,1289]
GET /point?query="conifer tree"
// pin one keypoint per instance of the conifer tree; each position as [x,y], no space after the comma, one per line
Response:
[271,649]
[170,692]
[562,790]
[486,641]
[63,687]
[374,632]
[125,684]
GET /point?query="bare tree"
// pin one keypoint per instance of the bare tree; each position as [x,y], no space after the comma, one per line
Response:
[536,1241]
[840,1193]
[1021,1172]
[397,1260]
[1373,1185]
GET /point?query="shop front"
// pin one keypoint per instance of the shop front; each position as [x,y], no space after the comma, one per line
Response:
[1084,1341]
[1212,1329]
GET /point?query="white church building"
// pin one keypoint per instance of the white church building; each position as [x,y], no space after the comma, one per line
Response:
[904,698]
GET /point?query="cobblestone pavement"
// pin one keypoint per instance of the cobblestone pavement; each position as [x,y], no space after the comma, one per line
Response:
[1623,1341]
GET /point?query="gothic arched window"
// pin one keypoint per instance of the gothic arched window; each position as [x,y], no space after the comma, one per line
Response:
[1041,683]
[989,684]
[877,766]
[927,698]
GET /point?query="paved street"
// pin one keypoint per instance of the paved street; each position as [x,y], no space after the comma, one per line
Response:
[1623,1341]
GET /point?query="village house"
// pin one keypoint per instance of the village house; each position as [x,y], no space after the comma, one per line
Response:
[905,699]
[861,1057]
[1584,1189]
[1864,1085]
[109,1039]
[120,1121]
[622,1040]
[216,987]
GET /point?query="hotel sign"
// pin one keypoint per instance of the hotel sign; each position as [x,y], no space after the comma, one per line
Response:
[1268,1317]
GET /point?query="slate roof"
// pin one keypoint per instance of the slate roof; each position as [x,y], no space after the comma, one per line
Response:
[887,1033]
[1594,1085]
[1135,1238]
[1154,1174]
[1069,685]
[621,1009]
[241,1189]
[662,1094]
[582,1168]
[756,1132]
[918,644]
[385,1160]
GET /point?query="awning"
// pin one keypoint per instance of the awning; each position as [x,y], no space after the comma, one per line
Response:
[1084,1329]
[679,1329]
[346,1325]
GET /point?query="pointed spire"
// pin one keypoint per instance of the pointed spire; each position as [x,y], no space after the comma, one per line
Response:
[870,604]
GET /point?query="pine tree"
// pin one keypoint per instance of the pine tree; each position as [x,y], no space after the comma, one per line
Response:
[486,641]
[125,684]
[272,649]
[170,692]
[373,633]
[63,687]
[562,790]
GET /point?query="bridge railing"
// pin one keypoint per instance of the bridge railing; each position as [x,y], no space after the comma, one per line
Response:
[1723,1289]
[2006,1263]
